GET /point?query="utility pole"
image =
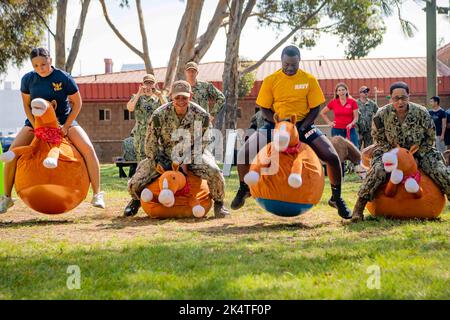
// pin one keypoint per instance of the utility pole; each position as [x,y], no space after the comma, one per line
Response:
[431,49]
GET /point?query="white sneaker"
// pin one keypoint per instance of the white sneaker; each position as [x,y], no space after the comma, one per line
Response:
[97,200]
[5,204]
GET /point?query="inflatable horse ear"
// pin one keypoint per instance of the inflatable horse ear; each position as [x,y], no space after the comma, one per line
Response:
[160,169]
[276,117]
[293,119]
[414,149]
[175,166]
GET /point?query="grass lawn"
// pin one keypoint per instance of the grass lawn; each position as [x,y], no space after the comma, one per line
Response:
[252,255]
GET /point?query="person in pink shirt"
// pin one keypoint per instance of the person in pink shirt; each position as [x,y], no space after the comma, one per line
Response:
[345,111]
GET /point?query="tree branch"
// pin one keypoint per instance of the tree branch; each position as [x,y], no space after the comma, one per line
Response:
[247,12]
[148,63]
[76,40]
[176,49]
[45,23]
[205,40]
[283,40]
[117,32]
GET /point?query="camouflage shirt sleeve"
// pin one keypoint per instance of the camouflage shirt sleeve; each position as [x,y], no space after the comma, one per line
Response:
[206,133]
[374,107]
[218,97]
[379,136]
[429,136]
[253,123]
[152,136]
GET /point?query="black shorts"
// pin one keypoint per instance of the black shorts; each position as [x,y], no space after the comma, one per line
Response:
[307,135]
[74,123]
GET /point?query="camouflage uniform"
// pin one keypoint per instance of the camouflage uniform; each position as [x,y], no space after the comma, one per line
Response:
[257,121]
[365,113]
[204,91]
[159,147]
[142,112]
[417,129]
[128,149]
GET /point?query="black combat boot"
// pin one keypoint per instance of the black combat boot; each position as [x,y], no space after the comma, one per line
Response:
[132,208]
[337,202]
[220,211]
[242,194]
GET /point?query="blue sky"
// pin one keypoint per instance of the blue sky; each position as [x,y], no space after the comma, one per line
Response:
[162,18]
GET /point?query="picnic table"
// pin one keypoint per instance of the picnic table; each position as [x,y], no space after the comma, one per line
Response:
[121,163]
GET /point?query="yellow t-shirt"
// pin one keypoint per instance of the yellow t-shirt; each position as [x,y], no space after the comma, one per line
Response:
[288,95]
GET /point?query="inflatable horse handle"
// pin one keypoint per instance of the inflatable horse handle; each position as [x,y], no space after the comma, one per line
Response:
[402,166]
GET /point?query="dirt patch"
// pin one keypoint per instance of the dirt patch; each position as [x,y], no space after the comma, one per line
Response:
[88,225]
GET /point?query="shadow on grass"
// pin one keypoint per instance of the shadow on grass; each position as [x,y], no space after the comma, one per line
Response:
[126,222]
[372,223]
[260,228]
[32,223]
[185,270]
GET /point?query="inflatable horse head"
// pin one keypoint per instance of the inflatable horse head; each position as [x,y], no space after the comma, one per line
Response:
[402,166]
[285,134]
[46,129]
[173,184]
[286,177]
[51,176]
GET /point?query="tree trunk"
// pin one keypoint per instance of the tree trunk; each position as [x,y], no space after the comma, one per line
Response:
[206,39]
[60,39]
[231,75]
[187,51]
[148,64]
[76,40]
[231,72]
[117,32]
[203,43]
[173,60]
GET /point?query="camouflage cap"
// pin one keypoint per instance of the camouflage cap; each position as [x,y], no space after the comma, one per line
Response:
[181,88]
[149,77]
[191,65]
[364,89]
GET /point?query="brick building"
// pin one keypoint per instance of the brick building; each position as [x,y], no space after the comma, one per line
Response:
[106,120]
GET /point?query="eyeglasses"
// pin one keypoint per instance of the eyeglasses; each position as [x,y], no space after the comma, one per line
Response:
[398,98]
[180,98]
[364,91]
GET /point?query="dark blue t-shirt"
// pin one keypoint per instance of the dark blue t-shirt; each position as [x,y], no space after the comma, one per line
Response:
[56,86]
[437,118]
